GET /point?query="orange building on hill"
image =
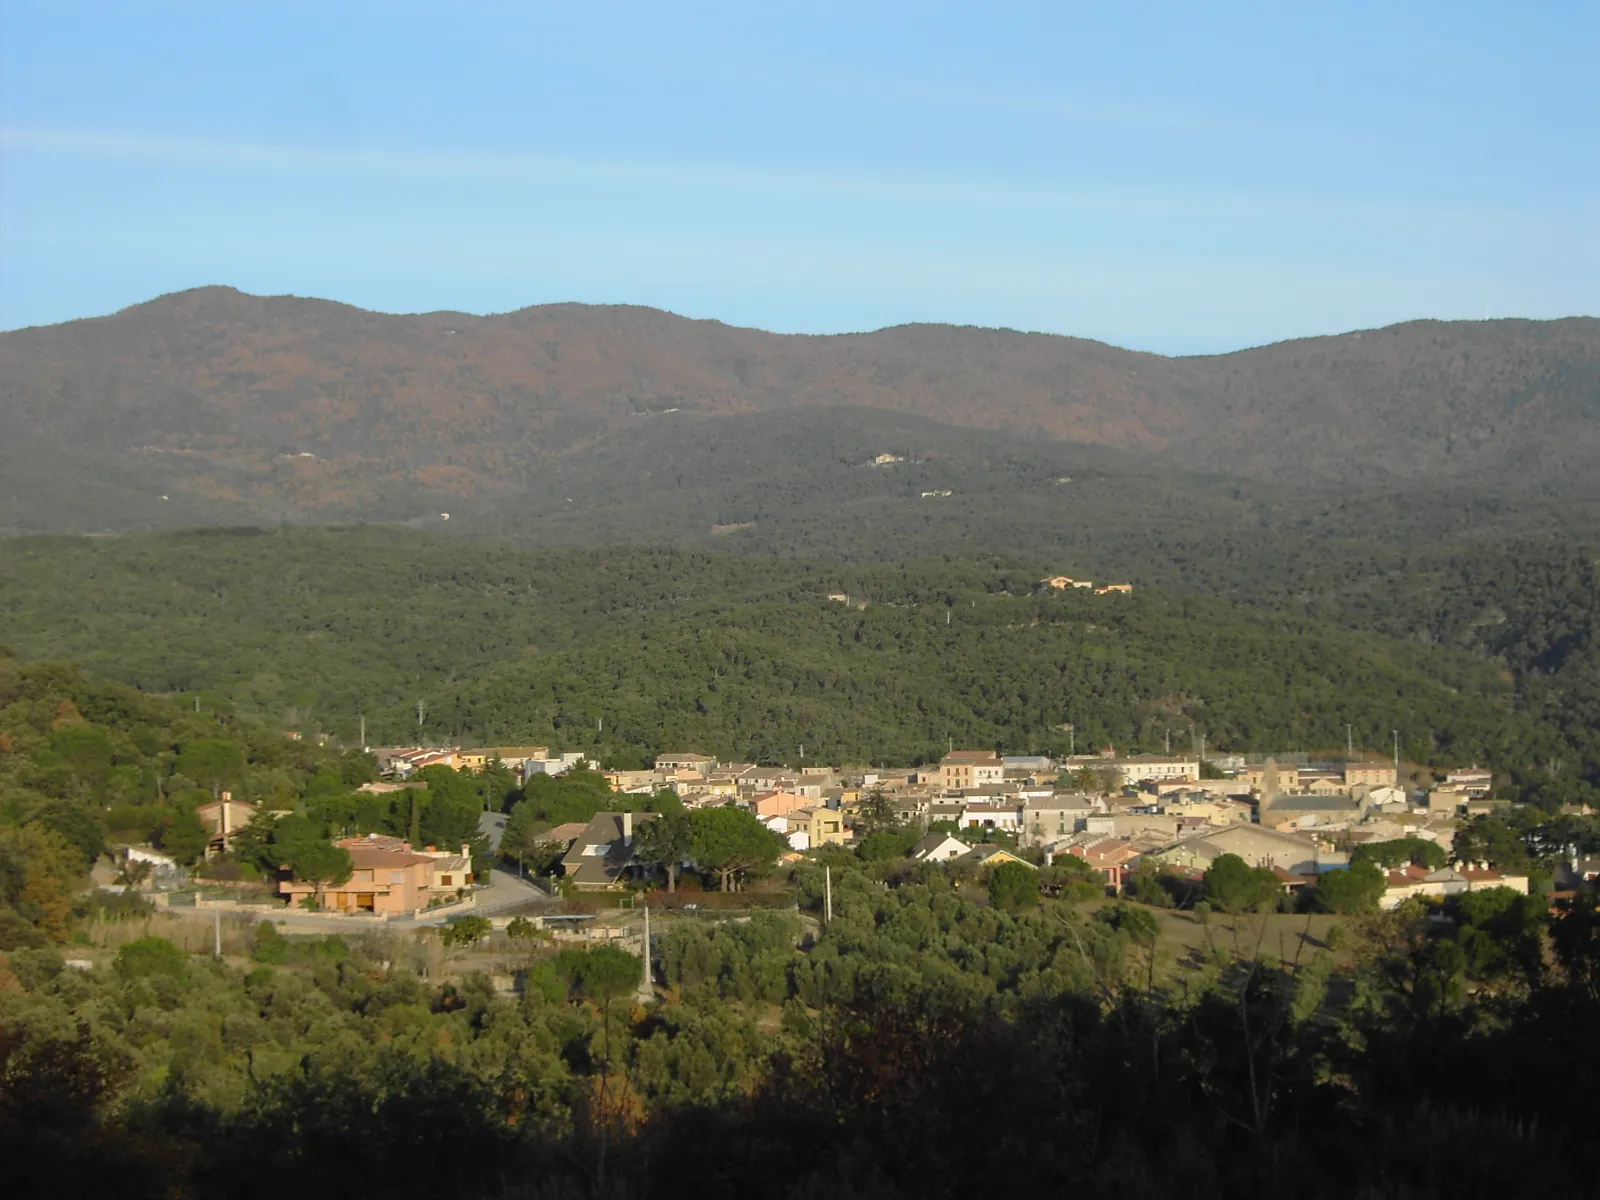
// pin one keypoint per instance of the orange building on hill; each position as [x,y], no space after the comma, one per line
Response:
[387,878]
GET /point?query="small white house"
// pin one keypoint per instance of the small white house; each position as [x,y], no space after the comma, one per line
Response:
[939,847]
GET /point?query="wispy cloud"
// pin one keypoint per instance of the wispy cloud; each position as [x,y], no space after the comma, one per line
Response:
[555,170]
[947,96]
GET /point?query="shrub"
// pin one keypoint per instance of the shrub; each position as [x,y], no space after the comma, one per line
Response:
[150,956]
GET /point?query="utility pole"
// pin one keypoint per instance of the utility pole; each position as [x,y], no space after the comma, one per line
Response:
[1397,757]
[1349,743]
[646,987]
[363,732]
[827,896]
[216,931]
[1169,742]
[197,704]
[421,708]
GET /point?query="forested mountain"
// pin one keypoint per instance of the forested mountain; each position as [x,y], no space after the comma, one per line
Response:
[212,406]
[629,652]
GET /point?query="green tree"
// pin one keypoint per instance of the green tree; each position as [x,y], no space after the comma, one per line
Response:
[1013,887]
[520,929]
[1355,889]
[79,824]
[601,975]
[183,836]
[665,842]
[465,931]
[150,956]
[1233,885]
[731,842]
[254,843]
[320,863]
[1401,851]
[884,844]
[526,839]
[211,762]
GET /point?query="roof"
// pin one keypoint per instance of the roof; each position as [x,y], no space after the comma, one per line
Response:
[1068,801]
[376,858]
[601,852]
[566,832]
[1310,801]
[984,757]
[934,841]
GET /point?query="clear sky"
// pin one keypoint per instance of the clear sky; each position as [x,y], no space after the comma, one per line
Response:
[1182,178]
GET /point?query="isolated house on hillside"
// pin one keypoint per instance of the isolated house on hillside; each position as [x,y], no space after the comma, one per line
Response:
[387,879]
[223,820]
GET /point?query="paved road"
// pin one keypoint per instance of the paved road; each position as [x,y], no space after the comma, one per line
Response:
[504,891]
[493,825]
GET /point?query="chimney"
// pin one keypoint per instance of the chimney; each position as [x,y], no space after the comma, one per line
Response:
[627,827]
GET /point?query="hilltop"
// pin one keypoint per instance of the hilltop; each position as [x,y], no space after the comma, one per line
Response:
[211,406]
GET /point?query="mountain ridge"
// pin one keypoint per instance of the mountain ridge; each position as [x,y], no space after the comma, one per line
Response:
[302,409]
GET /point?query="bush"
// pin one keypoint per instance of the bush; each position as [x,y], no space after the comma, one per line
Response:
[17,932]
[150,956]
[1014,887]
[466,931]
[273,948]
[36,967]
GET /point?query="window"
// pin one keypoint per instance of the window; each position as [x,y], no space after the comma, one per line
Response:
[596,851]
[397,876]
[444,881]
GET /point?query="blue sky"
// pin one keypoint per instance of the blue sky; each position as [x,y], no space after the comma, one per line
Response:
[1182,178]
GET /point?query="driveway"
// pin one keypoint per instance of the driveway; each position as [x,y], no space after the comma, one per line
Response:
[503,891]
[493,826]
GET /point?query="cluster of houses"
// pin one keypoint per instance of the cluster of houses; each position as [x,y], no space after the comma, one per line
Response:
[1297,820]
[1063,583]
[402,762]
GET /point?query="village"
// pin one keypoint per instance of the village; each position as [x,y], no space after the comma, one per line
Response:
[1116,815]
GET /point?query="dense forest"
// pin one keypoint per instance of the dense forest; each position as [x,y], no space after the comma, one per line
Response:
[626,652]
[931,1041]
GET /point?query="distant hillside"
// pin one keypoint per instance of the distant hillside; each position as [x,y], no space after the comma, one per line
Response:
[637,651]
[236,407]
